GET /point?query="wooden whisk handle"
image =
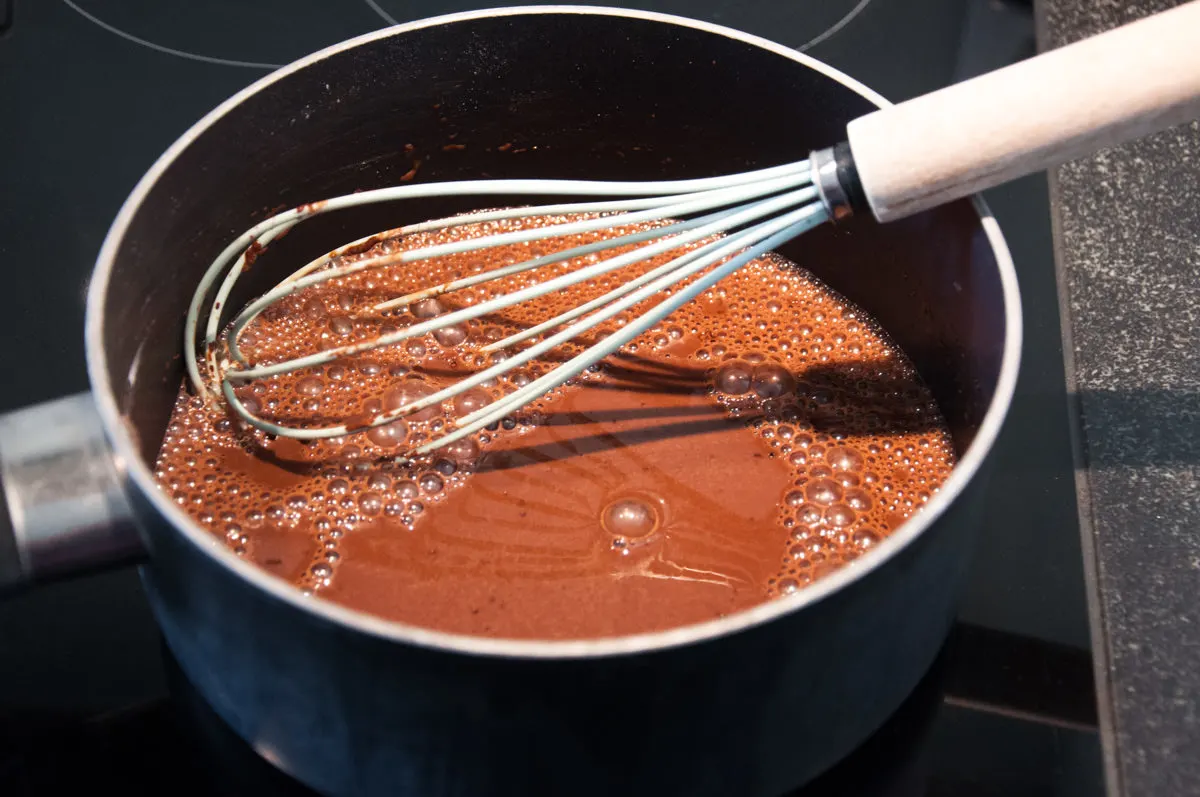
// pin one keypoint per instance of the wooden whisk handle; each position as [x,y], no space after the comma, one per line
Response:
[1063,104]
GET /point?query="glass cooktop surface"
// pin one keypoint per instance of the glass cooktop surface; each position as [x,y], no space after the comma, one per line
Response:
[94,90]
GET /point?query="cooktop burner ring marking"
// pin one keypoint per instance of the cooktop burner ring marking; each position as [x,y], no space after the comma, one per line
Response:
[208,59]
[378,9]
[829,32]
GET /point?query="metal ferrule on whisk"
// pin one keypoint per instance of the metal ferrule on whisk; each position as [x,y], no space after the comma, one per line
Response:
[824,164]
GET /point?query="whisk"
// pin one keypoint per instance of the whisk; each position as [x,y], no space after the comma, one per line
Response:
[897,161]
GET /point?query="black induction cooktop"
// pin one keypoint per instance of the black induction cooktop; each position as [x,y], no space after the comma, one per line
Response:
[91,91]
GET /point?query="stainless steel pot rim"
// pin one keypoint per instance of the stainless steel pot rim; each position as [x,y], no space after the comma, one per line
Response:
[128,459]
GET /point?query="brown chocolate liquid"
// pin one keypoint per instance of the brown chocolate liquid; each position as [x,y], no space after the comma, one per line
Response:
[764,435]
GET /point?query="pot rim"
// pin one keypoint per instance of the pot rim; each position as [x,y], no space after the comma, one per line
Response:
[129,460]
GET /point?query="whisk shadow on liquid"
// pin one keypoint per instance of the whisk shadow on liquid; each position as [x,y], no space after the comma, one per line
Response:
[833,399]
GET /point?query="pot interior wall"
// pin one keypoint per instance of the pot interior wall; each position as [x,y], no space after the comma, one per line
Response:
[536,95]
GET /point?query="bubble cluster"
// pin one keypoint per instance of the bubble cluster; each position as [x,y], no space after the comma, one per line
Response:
[831,396]
[839,506]
[822,388]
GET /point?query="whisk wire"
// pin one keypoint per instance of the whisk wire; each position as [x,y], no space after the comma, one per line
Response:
[708,254]
[460,386]
[668,206]
[600,301]
[270,228]
[744,208]
[743,216]
[787,227]
[692,203]
[550,259]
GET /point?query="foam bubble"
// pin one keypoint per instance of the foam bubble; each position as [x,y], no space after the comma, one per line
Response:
[370,503]
[823,491]
[629,517]
[772,380]
[866,538]
[451,336]
[734,378]
[839,515]
[857,499]
[310,386]
[844,458]
[808,514]
[471,400]
[462,450]
[427,308]
[405,393]
[389,435]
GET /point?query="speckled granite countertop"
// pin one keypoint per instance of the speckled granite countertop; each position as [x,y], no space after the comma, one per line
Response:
[1127,237]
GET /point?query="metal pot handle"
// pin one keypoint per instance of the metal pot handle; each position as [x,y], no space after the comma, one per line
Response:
[62,507]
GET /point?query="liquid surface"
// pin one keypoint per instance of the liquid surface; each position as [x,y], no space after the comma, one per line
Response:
[759,438]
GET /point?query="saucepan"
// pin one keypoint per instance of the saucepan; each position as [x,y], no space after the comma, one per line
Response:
[754,703]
